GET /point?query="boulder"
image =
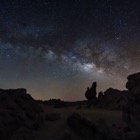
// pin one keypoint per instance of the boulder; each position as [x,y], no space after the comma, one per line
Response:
[18,109]
[83,127]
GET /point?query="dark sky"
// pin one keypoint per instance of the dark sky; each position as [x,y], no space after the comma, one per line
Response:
[56,48]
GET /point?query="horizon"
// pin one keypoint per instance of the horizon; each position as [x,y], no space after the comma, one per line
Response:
[83,99]
[56,49]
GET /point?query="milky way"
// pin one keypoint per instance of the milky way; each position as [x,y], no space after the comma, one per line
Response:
[56,49]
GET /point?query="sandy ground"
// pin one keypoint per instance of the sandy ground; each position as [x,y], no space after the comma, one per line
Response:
[56,130]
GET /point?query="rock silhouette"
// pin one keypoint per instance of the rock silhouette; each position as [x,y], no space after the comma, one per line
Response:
[91,94]
[131,112]
[18,110]
[111,99]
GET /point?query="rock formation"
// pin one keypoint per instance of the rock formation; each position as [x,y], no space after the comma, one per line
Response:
[111,99]
[91,94]
[18,110]
[131,112]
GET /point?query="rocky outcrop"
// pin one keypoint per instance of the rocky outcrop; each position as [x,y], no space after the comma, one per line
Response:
[17,110]
[91,92]
[111,99]
[131,112]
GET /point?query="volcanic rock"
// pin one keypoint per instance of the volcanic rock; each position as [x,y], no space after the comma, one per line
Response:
[18,109]
[131,112]
[91,92]
[83,127]
[111,99]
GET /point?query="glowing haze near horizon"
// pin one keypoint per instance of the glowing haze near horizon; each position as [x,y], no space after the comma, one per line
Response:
[57,48]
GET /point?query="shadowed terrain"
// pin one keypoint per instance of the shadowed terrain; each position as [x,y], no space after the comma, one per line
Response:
[114,115]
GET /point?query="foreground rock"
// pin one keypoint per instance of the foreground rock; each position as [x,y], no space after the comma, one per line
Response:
[131,112]
[18,110]
[84,128]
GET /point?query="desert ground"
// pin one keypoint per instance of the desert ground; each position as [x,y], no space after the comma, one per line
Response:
[55,130]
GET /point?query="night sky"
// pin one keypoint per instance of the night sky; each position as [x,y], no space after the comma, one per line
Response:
[57,48]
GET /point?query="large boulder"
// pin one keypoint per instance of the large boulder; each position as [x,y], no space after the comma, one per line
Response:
[131,112]
[83,127]
[18,109]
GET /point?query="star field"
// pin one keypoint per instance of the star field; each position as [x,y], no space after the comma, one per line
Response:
[56,49]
